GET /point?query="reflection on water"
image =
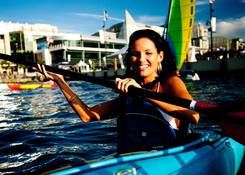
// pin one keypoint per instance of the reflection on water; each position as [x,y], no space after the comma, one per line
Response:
[40,132]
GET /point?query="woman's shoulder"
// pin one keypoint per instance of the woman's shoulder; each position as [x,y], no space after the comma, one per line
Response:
[173,83]
[172,80]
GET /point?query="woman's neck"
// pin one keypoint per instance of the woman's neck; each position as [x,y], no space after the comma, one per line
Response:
[149,79]
[151,84]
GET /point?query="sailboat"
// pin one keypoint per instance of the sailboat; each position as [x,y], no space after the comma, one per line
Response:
[178,31]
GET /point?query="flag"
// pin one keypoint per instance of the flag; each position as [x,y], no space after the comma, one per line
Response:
[211,1]
[106,15]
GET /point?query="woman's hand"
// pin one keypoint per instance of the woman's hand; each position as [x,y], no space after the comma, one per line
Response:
[49,75]
[123,84]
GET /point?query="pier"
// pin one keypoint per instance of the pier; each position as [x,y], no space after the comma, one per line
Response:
[224,66]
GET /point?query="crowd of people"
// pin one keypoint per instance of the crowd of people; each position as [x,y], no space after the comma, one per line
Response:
[221,52]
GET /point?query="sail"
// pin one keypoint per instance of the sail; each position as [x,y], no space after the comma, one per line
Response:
[179,27]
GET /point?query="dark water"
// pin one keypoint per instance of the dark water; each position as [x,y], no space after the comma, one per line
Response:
[39,131]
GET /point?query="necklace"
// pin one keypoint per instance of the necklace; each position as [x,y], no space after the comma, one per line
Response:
[152,84]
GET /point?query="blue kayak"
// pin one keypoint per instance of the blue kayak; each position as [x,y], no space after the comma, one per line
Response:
[208,152]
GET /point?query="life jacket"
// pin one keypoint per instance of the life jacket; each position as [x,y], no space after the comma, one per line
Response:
[143,128]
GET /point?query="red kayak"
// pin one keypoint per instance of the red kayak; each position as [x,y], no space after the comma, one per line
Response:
[28,86]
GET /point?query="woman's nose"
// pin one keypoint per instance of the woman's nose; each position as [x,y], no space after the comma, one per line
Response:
[141,56]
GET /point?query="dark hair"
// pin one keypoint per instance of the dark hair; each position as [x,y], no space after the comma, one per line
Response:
[169,61]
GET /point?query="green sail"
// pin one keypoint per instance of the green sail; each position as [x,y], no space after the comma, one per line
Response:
[179,27]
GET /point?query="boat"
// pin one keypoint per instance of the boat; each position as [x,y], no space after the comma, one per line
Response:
[29,86]
[189,74]
[208,151]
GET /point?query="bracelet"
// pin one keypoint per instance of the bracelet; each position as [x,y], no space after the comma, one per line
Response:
[193,105]
[72,98]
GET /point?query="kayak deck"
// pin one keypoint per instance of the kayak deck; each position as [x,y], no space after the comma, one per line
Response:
[209,154]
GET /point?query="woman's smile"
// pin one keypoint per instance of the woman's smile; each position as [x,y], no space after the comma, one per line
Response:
[145,59]
[143,67]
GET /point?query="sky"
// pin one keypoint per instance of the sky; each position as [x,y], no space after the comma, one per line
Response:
[86,16]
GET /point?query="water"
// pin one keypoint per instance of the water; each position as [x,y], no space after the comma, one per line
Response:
[39,131]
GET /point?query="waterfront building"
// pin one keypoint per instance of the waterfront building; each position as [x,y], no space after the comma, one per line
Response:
[19,39]
[95,50]
[200,37]
[51,47]
[102,50]
[236,43]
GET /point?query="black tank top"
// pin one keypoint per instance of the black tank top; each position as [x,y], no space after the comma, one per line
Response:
[142,128]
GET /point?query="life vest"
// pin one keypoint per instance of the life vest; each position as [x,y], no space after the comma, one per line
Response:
[143,128]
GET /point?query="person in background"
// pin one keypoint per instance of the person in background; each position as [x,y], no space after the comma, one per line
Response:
[144,124]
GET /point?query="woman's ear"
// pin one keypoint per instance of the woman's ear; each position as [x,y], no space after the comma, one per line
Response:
[161,56]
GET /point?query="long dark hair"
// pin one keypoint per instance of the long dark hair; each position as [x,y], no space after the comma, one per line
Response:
[169,62]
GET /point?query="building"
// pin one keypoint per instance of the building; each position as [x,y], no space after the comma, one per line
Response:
[94,50]
[45,44]
[52,47]
[19,39]
[200,37]
[16,37]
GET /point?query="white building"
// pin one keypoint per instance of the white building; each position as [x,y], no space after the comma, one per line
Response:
[45,44]
[92,50]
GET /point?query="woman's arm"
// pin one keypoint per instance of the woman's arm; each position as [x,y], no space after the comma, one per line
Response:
[82,110]
[86,113]
[175,86]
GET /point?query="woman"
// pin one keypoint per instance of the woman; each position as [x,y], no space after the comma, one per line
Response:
[151,65]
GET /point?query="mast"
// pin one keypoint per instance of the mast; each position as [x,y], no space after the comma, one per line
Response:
[167,21]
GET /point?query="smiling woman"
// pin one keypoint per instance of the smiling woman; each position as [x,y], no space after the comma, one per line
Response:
[145,60]
[151,65]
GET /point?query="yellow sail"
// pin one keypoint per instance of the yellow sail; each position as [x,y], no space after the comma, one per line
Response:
[179,27]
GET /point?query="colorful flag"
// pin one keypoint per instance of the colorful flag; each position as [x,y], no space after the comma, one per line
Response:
[106,15]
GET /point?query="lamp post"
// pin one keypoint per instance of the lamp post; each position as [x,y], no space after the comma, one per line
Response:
[212,28]
[105,17]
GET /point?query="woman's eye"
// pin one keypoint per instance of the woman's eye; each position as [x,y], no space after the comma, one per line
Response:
[135,54]
[148,53]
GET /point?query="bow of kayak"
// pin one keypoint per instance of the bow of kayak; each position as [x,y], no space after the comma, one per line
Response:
[210,153]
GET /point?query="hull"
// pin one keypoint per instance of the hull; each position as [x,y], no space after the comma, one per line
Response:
[31,86]
[23,86]
[202,156]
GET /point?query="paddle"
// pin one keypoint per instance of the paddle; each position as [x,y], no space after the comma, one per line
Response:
[231,114]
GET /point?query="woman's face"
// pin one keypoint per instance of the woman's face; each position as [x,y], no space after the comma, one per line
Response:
[145,59]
